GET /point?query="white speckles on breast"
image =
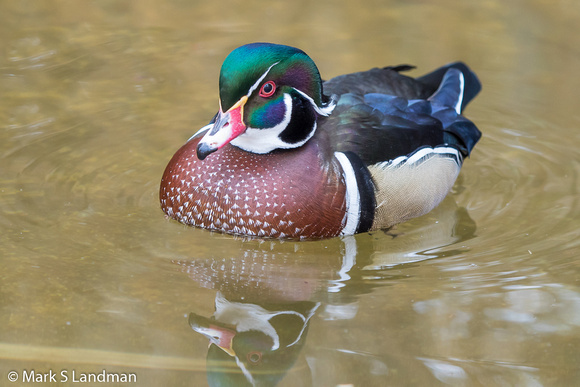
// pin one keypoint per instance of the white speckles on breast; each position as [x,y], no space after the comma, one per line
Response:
[220,201]
[238,192]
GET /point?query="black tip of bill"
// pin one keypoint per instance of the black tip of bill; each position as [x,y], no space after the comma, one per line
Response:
[203,150]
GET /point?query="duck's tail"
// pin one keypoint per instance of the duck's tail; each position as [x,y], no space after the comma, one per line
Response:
[453,93]
[471,84]
[450,92]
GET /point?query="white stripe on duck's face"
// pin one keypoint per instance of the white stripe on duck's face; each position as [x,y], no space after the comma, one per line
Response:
[265,140]
[292,117]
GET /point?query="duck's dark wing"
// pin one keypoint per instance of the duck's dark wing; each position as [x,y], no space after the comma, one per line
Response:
[377,136]
[380,126]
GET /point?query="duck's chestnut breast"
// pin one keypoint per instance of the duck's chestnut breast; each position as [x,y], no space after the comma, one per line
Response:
[288,193]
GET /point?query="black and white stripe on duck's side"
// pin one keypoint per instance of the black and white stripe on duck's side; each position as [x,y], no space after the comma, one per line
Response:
[375,149]
[423,178]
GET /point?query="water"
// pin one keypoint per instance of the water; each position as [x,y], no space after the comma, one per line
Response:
[96,97]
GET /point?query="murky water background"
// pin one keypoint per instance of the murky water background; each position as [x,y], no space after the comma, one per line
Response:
[96,96]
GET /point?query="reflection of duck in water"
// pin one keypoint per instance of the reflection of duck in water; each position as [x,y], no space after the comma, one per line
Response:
[266,297]
[253,344]
[267,293]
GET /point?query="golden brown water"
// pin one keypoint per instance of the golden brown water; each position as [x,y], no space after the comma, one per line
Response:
[95,98]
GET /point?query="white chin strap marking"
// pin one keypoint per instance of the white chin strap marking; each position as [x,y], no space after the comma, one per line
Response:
[266,140]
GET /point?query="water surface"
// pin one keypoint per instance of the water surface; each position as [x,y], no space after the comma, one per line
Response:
[96,97]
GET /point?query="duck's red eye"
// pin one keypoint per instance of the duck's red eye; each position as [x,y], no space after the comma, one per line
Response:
[267,89]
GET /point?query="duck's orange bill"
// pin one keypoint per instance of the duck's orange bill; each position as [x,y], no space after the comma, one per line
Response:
[227,126]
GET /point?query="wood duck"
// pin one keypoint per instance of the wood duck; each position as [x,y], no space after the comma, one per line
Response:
[291,156]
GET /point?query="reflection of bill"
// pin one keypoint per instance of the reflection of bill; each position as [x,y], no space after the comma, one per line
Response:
[253,344]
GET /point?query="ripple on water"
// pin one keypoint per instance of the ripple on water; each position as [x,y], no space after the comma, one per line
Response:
[522,192]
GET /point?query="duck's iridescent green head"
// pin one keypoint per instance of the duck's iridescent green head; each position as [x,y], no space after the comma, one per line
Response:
[246,64]
[270,98]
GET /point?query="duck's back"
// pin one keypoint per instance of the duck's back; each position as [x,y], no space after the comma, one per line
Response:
[390,80]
